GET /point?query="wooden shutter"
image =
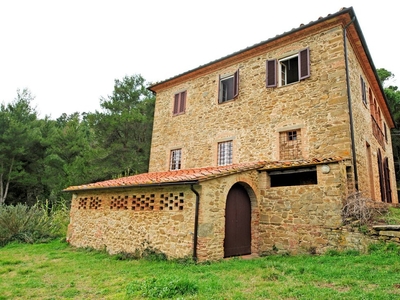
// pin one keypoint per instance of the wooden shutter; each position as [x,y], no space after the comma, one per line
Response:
[182,104]
[304,63]
[219,90]
[381,176]
[388,188]
[176,104]
[236,84]
[271,73]
[363,90]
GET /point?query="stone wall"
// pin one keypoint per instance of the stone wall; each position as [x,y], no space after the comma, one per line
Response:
[253,120]
[367,155]
[295,218]
[133,219]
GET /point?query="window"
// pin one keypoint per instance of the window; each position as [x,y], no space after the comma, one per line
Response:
[289,69]
[225,153]
[363,91]
[175,160]
[290,145]
[385,132]
[291,177]
[228,87]
[179,103]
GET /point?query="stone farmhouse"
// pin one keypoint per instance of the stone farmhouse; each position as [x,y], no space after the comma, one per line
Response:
[255,151]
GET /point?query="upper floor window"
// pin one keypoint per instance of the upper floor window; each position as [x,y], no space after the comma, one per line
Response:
[288,69]
[179,103]
[225,153]
[175,159]
[290,145]
[363,91]
[228,87]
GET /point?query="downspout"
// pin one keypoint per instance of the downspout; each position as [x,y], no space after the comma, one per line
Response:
[196,222]
[353,146]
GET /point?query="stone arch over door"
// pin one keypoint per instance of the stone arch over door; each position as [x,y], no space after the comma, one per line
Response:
[238,220]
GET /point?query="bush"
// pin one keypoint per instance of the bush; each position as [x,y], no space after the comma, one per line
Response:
[358,209]
[163,287]
[30,224]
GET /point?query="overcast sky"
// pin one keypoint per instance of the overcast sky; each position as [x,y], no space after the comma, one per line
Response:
[68,53]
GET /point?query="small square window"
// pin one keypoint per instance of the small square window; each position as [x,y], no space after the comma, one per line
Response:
[292,135]
[175,159]
[290,145]
[225,153]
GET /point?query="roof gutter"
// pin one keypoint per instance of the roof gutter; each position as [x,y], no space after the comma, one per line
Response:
[353,146]
[133,186]
[196,222]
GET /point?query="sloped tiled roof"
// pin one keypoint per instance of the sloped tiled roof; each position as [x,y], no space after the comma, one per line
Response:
[195,175]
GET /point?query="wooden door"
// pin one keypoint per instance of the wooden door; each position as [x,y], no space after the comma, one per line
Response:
[237,222]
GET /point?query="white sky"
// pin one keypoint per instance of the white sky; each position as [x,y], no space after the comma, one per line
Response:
[68,53]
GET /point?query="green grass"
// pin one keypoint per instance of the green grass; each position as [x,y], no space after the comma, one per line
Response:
[393,216]
[57,271]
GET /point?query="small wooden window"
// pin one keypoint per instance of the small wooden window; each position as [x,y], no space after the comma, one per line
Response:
[289,69]
[179,103]
[228,87]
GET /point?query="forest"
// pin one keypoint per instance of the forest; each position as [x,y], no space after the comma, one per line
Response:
[41,157]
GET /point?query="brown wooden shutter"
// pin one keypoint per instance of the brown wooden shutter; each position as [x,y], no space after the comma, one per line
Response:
[236,84]
[388,188]
[271,73]
[304,63]
[182,105]
[176,104]
[363,90]
[219,90]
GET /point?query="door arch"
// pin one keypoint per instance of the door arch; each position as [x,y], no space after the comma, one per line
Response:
[237,222]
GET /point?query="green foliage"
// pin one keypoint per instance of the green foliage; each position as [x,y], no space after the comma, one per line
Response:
[34,224]
[384,248]
[162,287]
[392,216]
[123,129]
[41,157]
[20,144]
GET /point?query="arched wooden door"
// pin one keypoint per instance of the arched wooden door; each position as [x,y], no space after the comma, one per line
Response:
[237,222]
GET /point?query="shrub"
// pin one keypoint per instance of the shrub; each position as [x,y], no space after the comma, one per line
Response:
[358,209]
[27,224]
[162,287]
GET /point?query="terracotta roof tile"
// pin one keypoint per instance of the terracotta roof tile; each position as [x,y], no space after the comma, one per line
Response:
[196,174]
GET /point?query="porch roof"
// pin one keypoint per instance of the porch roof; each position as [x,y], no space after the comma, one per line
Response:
[196,175]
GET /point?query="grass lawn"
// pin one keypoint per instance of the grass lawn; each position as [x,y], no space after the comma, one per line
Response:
[59,271]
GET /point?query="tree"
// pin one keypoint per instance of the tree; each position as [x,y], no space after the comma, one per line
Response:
[18,135]
[123,129]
